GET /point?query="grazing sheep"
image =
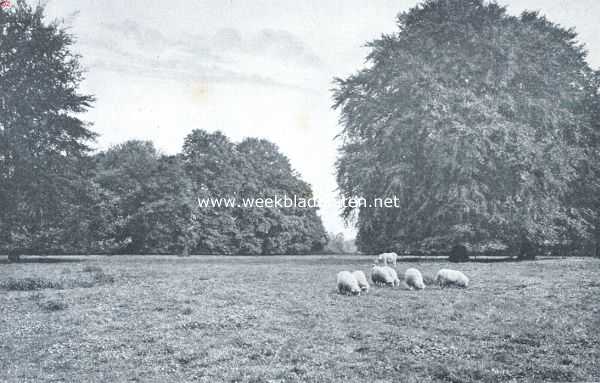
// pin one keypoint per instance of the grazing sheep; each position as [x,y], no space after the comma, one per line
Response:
[381,276]
[414,279]
[361,278]
[384,275]
[347,284]
[387,258]
[393,275]
[447,277]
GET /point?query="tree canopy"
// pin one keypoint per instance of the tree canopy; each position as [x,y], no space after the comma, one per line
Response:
[42,141]
[254,168]
[482,123]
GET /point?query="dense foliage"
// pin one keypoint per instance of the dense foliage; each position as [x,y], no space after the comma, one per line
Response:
[148,202]
[482,123]
[42,143]
[253,168]
[57,198]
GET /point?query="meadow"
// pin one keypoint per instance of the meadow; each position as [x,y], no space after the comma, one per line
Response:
[279,319]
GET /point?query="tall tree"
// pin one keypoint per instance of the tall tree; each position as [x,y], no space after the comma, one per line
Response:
[42,141]
[254,169]
[211,162]
[477,120]
[146,201]
[287,230]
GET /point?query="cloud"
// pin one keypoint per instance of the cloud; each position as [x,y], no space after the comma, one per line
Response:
[268,57]
[283,45]
[144,36]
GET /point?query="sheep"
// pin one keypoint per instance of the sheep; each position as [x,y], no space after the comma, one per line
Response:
[393,275]
[387,258]
[384,275]
[361,278]
[347,283]
[414,279]
[447,277]
[381,276]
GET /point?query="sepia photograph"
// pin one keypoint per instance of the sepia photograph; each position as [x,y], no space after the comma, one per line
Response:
[246,191]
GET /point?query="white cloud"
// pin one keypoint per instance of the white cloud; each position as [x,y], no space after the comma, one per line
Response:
[268,57]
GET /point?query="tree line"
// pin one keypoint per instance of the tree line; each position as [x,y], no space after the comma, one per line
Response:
[484,125]
[58,196]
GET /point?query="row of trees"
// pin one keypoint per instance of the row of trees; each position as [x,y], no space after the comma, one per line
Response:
[485,125]
[58,197]
[145,202]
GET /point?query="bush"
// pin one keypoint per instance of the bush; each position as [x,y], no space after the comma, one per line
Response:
[528,251]
[459,254]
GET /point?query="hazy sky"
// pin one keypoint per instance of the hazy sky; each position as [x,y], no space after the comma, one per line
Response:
[247,67]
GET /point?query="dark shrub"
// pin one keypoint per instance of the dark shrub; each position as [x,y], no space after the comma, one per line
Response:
[528,251]
[459,254]
[13,257]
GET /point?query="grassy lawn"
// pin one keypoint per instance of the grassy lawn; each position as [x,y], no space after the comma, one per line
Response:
[258,319]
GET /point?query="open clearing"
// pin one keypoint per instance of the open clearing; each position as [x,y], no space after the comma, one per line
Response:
[256,319]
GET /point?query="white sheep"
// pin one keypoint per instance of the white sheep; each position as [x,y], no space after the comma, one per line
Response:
[414,279]
[387,258]
[347,283]
[361,278]
[384,275]
[381,276]
[447,277]
[392,272]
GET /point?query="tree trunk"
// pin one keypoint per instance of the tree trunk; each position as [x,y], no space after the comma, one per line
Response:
[13,257]
[527,252]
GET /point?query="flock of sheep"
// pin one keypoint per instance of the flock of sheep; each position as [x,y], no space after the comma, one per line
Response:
[382,274]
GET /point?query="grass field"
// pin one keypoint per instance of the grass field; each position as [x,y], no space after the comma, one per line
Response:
[259,319]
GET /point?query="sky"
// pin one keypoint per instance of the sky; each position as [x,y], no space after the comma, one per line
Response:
[250,68]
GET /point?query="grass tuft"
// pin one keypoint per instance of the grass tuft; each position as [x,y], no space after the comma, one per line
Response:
[62,281]
[92,269]
[52,305]
[29,284]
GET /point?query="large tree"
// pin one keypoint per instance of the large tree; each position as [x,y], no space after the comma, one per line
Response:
[253,168]
[42,141]
[478,121]
[288,230]
[145,201]
[212,163]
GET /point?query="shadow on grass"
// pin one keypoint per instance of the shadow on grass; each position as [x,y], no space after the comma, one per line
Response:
[493,259]
[42,259]
[472,259]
